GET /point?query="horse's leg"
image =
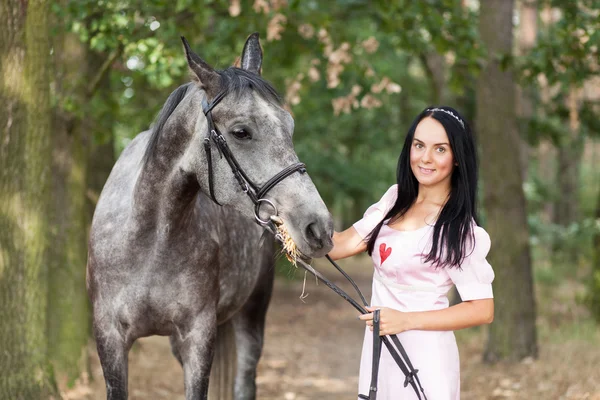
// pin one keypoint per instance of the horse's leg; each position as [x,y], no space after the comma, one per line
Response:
[249,326]
[195,347]
[112,351]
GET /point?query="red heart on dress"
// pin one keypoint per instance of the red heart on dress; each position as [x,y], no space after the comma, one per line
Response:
[384,253]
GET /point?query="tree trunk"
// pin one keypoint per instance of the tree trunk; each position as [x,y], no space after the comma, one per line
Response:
[68,308]
[512,336]
[436,69]
[525,106]
[570,155]
[25,156]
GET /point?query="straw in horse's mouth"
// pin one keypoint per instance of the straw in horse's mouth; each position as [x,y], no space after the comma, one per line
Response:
[288,246]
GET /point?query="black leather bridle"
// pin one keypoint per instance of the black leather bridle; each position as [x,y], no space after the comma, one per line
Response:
[256,194]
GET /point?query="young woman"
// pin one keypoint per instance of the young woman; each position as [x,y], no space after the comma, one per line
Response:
[423,238]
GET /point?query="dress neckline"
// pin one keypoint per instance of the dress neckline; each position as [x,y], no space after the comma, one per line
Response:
[410,230]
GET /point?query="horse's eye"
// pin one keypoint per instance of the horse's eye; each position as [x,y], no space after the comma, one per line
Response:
[241,134]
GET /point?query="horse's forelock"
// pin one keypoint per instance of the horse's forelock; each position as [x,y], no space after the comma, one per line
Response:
[237,81]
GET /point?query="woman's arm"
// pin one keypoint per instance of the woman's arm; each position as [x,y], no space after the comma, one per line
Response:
[463,315]
[346,244]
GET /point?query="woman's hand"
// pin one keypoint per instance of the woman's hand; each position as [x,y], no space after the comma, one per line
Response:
[346,244]
[391,321]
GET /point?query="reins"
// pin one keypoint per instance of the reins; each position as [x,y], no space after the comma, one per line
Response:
[256,194]
[401,358]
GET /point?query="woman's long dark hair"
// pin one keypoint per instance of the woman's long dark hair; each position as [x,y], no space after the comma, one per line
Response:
[453,229]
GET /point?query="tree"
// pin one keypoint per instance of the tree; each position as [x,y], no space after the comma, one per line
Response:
[512,336]
[68,306]
[25,156]
[561,68]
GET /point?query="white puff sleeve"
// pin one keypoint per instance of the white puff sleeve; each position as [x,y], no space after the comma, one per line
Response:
[474,280]
[376,212]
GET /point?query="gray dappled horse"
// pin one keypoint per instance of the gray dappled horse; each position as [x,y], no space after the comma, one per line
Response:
[164,259]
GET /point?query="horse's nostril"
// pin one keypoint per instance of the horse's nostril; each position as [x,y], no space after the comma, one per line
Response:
[314,235]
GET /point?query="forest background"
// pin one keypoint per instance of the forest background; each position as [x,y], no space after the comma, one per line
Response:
[79,79]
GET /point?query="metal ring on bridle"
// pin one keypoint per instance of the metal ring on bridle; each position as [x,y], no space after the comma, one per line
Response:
[257,210]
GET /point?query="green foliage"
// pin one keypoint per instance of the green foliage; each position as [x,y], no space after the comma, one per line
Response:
[566,55]
[564,59]
[572,244]
[443,26]
[365,144]
[566,50]
[351,156]
[566,250]
[538,128]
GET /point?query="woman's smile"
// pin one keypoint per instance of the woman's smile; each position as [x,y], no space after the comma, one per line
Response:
[426,171]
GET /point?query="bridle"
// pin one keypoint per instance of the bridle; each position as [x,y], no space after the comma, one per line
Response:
[256,194]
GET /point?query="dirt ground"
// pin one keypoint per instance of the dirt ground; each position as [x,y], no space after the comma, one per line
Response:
[312,351]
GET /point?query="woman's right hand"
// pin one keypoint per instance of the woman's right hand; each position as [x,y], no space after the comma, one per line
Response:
[346,244]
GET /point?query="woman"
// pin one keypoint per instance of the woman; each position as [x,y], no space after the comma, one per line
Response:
[423,238]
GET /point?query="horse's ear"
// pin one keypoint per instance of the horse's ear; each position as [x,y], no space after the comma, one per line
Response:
[206,76]
[252,54]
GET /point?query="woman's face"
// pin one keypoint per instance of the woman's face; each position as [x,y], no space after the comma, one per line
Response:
[431,158]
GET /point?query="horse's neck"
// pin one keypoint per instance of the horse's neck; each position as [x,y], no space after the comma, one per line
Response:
[167,185]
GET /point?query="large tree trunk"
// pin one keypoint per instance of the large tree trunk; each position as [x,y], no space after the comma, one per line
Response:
[68,309]
[512,336]
[25,157]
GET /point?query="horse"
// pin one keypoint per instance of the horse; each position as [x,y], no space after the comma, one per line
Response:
[174,246]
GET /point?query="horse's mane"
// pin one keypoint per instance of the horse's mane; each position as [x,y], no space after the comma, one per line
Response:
[234,81]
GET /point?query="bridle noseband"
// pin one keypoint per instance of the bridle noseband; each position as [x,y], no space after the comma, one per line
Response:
[255,192]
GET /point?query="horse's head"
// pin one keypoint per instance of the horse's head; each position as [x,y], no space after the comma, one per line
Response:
[258,132]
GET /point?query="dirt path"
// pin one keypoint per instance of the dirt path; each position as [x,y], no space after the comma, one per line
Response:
[312,351]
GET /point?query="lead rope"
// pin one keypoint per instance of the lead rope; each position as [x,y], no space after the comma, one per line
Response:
[376,356]
[401,359]
[405,365]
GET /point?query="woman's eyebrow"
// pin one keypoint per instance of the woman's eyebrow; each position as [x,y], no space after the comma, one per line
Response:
[437,144]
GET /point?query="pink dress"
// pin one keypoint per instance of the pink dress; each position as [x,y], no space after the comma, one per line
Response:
[401,280]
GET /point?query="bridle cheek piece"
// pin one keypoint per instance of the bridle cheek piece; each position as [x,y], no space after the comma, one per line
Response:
[255,192]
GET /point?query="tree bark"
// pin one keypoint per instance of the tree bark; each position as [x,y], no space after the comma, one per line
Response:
[25,155]
[436,69]
[566,209]
[525,106]
[68,306]
[570,155]
[512,336]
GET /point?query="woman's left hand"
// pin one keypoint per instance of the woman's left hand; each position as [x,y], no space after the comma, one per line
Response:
[391,321]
